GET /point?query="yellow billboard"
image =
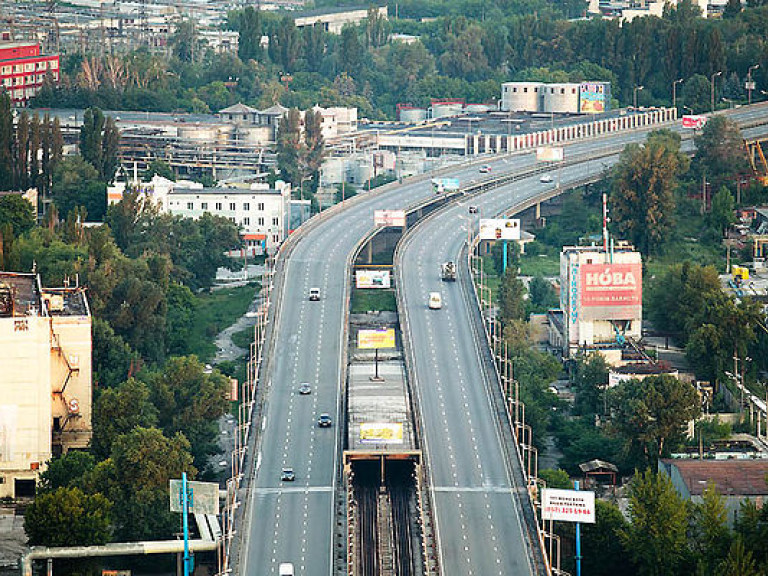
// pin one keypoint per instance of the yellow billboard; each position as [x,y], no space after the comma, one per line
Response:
[381,433]
[369,339]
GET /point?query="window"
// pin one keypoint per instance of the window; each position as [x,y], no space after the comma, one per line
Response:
[218,205]
[525,89]
[204,206]
[261,221]
[275,221]
[246,206]
[275,238]
[246,221]
[231,205]
[190,206]
[260,206]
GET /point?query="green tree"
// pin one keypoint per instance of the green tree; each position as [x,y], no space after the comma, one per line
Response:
[76,183]
[6,142]
[696,93]
[289,147]
[464,56]
[113,359]
[314,146]
[721,215]
[159,167]
[92,137]
[68,517]
[642,190]
[710,533]
[249,41]
[512,297]
[186,41]
[110,149]
[591,382]
[655,540]
[350,53]
[603,553]
[189,401]
[136,478]
[652,414]
[314,39]
[17,212]
[285,44]
[377,28]
[180,317]
[720,153]
[556,478]
[542,294]
[119,410]
[66,471]
[739,562]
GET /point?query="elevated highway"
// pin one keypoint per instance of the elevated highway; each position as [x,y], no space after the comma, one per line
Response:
[299,522]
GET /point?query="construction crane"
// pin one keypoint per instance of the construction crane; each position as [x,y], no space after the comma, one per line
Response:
[757,158]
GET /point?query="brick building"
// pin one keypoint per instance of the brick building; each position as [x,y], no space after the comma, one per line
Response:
[23,69]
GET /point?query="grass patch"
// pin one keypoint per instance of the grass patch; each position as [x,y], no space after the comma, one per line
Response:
[215,311]
[243,338]
[540,265]
[367,300]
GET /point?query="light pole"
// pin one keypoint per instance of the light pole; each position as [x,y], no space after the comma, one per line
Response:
[634,96]
[302,185]
[750,84]
[730,102]
[674,91]
[712,87]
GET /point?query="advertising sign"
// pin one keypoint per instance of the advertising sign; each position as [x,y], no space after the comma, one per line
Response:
[549,154]
[372,279]
[370,339]
[499,229]
[611,291]
[203,497]
[389,217]
[593,97]
[695,122]
[381,433]
[568,505]
[441,185]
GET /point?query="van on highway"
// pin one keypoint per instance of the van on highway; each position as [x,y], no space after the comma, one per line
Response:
[435,301]
[285,569]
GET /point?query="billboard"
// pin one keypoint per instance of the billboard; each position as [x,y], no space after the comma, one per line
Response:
[695,122]
[373,279]
[549,154]
[381,433]
[568,505]
[594,97]
[440,185]
[611,291]
[389,217]
[499,229]
[203,497]
[370,339]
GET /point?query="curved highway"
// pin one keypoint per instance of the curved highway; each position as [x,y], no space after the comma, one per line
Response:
[294,521]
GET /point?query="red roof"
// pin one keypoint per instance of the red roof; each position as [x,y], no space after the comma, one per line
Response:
[731,477]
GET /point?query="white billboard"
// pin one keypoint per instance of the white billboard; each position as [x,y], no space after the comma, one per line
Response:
[568,505]
[549,154]
[373,279]
[203,497]
[381,433]
[499,229]
[389,217]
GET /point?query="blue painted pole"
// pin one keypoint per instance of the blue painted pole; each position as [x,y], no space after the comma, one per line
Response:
[504,259]
[578,537]
[185,516]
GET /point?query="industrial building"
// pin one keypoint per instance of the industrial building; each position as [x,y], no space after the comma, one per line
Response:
[560,98]
[333,20]
[600,301]
[23,69]
[45,391]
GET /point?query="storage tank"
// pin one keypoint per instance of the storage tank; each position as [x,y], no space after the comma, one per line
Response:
[561,98]
[444,109]
[521,96]
[478,108]
[413,114]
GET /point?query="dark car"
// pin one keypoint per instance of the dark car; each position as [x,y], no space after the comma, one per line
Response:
[324,421]
[305,388]
[473,209]
[287,475]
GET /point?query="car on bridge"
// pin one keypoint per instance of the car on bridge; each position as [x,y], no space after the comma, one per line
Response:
[546,178]
[485,169]
[285,569]
[324,421]
[305,388]
[314,294]
[287,475]
[435,301]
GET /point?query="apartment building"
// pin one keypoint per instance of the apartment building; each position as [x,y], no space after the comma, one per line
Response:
[23,69]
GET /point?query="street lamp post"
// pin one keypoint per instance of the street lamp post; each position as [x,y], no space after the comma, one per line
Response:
[674,91]
[302,185]
[712,87]
[750,83]
[634,95]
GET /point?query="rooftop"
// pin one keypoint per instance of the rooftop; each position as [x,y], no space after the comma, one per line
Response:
[731,477]
[19,295]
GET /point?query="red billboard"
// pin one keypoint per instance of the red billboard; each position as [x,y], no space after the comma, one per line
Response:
[694,121]
[611,291]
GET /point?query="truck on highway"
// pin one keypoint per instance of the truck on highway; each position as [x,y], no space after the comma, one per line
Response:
[445,185]
[448,271]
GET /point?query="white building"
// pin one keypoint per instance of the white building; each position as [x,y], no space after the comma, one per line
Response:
[262,213]
[601,298]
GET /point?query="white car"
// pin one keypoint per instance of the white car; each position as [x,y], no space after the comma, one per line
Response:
[435,301]
[546,178]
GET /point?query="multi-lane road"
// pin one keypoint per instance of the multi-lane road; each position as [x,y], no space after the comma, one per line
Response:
[479,527]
